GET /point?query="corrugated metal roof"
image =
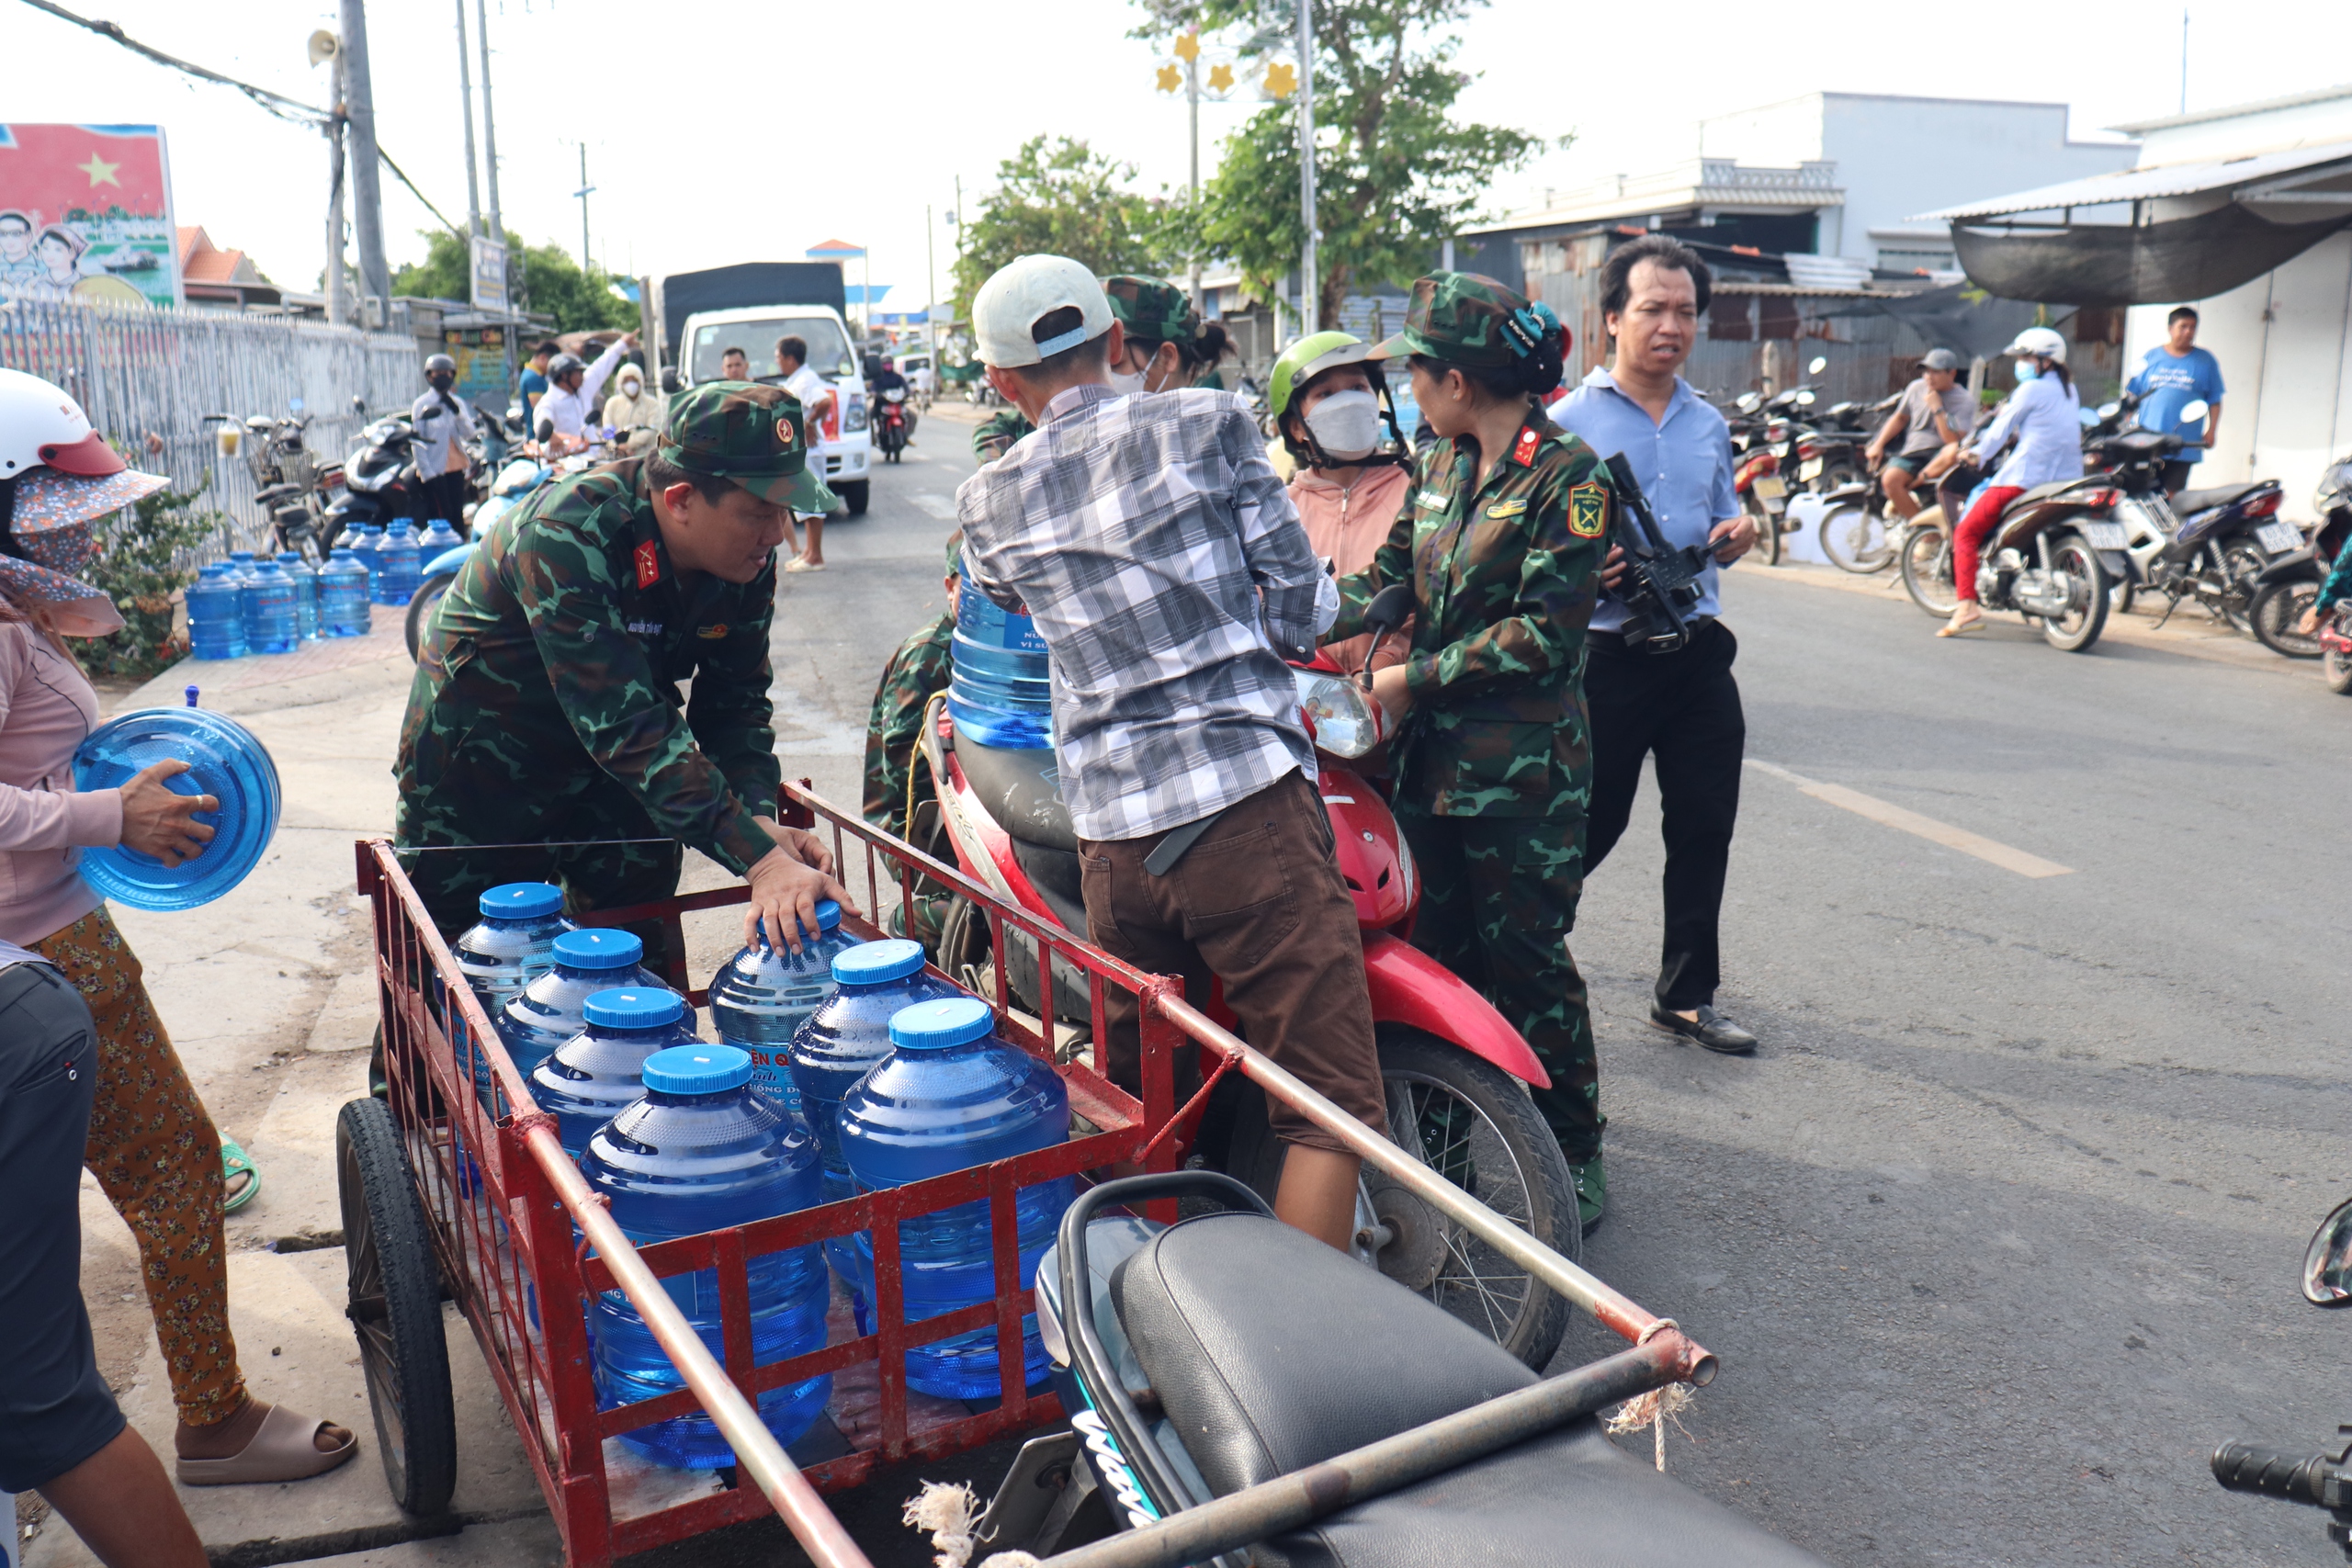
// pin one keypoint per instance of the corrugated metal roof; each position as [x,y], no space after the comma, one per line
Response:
[2149,184]
[2234,112]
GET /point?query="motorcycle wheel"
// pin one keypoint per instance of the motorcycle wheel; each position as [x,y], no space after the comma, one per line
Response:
[1473,1124]
[1768,528]
[2080,627]
[2277,608]
[1847,538]
[2241,562]
[420,608]
[1925,559]
[2337,666]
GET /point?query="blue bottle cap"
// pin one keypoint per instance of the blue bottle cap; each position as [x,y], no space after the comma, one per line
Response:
[633,1007]
[371,529]
[597,949]
[873,963]
[934,1026]
[521,901]
[241,555]
[341,552]
[829,918]
[696,1069]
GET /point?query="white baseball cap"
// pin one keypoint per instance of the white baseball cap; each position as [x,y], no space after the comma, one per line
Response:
[1021,293]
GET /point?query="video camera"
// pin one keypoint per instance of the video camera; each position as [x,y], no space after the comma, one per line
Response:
[1660,589]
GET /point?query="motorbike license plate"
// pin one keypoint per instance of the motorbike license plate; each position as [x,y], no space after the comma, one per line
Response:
[1810,469]
[2104,536]
[2279,539]
[1770,486]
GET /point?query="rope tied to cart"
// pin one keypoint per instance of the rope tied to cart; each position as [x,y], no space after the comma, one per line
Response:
[1658,1407]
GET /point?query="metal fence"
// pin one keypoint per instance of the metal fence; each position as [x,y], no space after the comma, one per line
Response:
[138,371]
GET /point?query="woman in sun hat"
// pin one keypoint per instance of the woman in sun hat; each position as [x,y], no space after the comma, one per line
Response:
[152,1145]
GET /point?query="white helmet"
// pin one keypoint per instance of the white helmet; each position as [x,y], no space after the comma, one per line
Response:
[2041,342]
[40,425]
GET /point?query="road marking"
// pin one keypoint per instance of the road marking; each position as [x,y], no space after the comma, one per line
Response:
[938,506]
[1888,815]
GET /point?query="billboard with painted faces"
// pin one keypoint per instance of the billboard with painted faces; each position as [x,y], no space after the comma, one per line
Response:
[85,213]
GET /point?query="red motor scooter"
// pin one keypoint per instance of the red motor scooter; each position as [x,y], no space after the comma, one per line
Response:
[1454,1071]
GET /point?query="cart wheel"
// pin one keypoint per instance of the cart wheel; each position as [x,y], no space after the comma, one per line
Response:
[395,1309]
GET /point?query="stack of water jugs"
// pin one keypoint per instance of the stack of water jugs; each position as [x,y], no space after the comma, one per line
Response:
[844,1067]
[252,603]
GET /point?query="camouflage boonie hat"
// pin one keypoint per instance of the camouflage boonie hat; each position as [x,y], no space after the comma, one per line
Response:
[1152,308]
[955,553]
[735,430]
[1456,316]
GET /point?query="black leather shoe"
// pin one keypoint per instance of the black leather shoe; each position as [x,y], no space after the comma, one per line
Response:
[1709,1029]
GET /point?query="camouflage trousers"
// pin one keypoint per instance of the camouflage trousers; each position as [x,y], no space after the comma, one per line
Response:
[568,844]
[1498,898]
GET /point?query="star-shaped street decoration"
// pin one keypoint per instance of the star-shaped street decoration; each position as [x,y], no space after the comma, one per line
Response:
[1171,79]
[1221,78]
[1188,48]
[101,172]
[1282,79]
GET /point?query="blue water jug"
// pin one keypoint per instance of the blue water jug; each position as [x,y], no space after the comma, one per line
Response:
[224,761]
[370,551]
[999,691]
[547,1011]
[343,595]
[271,626]
[216,614]
[702,1151]
[949,1096]
[850,1031]
[515,942]
[763,994]
[240,565]
[598,1072]
[438,536]
[400,568]
[305,594]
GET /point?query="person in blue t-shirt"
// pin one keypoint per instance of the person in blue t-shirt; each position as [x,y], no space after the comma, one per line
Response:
[535,376]
[2178,372]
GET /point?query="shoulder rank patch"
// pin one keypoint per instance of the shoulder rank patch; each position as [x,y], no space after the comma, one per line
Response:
[1429,498]
[1588,511]
[711,634]
[1524,452]
[1511,508]
[648,564]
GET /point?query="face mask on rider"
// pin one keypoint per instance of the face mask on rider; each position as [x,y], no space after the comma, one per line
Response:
[1346,425]
[1127,383]
[2027,370]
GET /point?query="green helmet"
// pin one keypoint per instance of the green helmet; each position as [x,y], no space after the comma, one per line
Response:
[1307,358]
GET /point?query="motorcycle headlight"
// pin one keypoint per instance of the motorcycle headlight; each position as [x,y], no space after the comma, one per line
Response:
[855,420]
[1342,718]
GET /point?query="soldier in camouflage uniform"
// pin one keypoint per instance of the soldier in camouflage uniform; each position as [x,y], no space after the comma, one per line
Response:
[1493,765]
[895,788]
[1169,346]
[546,738]
[995,433]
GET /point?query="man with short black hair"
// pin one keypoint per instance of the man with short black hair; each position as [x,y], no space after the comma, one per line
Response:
[734,365]
[1149,540]
[1680,708]
[2175,374]
[535,376]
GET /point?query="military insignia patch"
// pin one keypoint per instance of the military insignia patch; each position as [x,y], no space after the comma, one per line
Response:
[1511,508]
[1429,498]
[710,634]
[1524,453]
[648,564]
[1588,511]
[784,433]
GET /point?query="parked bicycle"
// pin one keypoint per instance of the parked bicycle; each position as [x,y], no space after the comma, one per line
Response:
[288,479]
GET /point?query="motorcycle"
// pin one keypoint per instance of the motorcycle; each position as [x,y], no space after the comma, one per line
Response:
[513,483]
[2289,584]
[2053,556]
[1228,1354]
[287,479]
[892,424]
[1765,439]
[1454,1070]
[380,478]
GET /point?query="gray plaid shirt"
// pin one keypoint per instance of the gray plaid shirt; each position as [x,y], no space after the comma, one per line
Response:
[1144,534]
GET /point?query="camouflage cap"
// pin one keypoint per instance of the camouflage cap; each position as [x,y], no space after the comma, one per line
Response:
[1456,316]
[736,430]
[955,553]
[1152,310]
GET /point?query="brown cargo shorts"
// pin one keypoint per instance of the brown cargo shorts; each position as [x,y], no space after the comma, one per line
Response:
[1258,902]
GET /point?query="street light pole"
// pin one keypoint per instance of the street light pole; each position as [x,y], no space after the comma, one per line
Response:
[375,275]
[338,306]
[466,102]
[582,193]
[1192,93]
[931,284]
[1310,280]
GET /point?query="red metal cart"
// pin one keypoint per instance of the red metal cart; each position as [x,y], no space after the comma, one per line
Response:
[444,1187]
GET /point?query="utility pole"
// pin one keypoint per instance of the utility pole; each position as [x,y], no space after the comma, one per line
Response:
[489,165]
[338,307]
[2184,60]
[1310,279]
[466,102]
[1192,94]
[931,285]
[367,223]
[582,193]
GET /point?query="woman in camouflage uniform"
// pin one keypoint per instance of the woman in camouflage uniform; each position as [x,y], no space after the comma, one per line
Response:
[1502,537]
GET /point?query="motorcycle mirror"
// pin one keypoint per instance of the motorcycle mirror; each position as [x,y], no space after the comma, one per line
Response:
[1748,402]
[2109,411]
[2327,1265]
[2090,419]
[2194,410]
[1820,363]
[1804,398]
[1390,608]
[670,378]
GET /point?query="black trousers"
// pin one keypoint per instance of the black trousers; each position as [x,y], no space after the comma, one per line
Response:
[1683,709]
[444,497]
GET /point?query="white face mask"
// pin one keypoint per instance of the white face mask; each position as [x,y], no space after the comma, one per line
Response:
[1346,424]
[631,387]
[1126,383]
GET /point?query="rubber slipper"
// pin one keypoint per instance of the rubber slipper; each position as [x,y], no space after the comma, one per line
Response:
[283,1449]
[1962,629]
[234,1163]
[797,564]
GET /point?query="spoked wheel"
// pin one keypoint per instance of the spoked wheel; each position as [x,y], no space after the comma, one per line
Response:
[1925,559]
[2277,610]
[1768,528]
[2086,613]
[395,1309]
[2241,562]
[2337,666]
[1855,539]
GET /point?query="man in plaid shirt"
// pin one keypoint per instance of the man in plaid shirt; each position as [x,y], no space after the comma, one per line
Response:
[1164,567]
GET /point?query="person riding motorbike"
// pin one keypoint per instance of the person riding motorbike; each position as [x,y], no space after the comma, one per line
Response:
[1329,403]
[2336,587]
[443,424]
[1502,544]
[2045,414]
[636,413]
[572,393]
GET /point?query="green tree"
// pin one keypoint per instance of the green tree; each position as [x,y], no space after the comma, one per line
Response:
[551,283]
[1066,200]
[1395,172]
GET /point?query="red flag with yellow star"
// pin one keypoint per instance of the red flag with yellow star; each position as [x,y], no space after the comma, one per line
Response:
[85,212]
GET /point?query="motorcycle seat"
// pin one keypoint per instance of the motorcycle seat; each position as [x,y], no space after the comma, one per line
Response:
[2190,500]
[1270,1352]
[2036,495]
[1020,789]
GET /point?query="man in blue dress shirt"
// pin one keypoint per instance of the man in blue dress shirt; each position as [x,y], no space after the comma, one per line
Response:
[1684,707]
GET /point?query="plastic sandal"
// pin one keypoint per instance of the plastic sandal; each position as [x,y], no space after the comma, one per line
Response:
[281,1450]
[234,1163]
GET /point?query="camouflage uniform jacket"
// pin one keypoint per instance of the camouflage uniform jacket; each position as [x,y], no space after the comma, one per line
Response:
[557,656]
[997,431]
[917,672]
[1505,576]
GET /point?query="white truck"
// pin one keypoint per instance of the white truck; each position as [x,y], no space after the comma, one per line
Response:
[698,316]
